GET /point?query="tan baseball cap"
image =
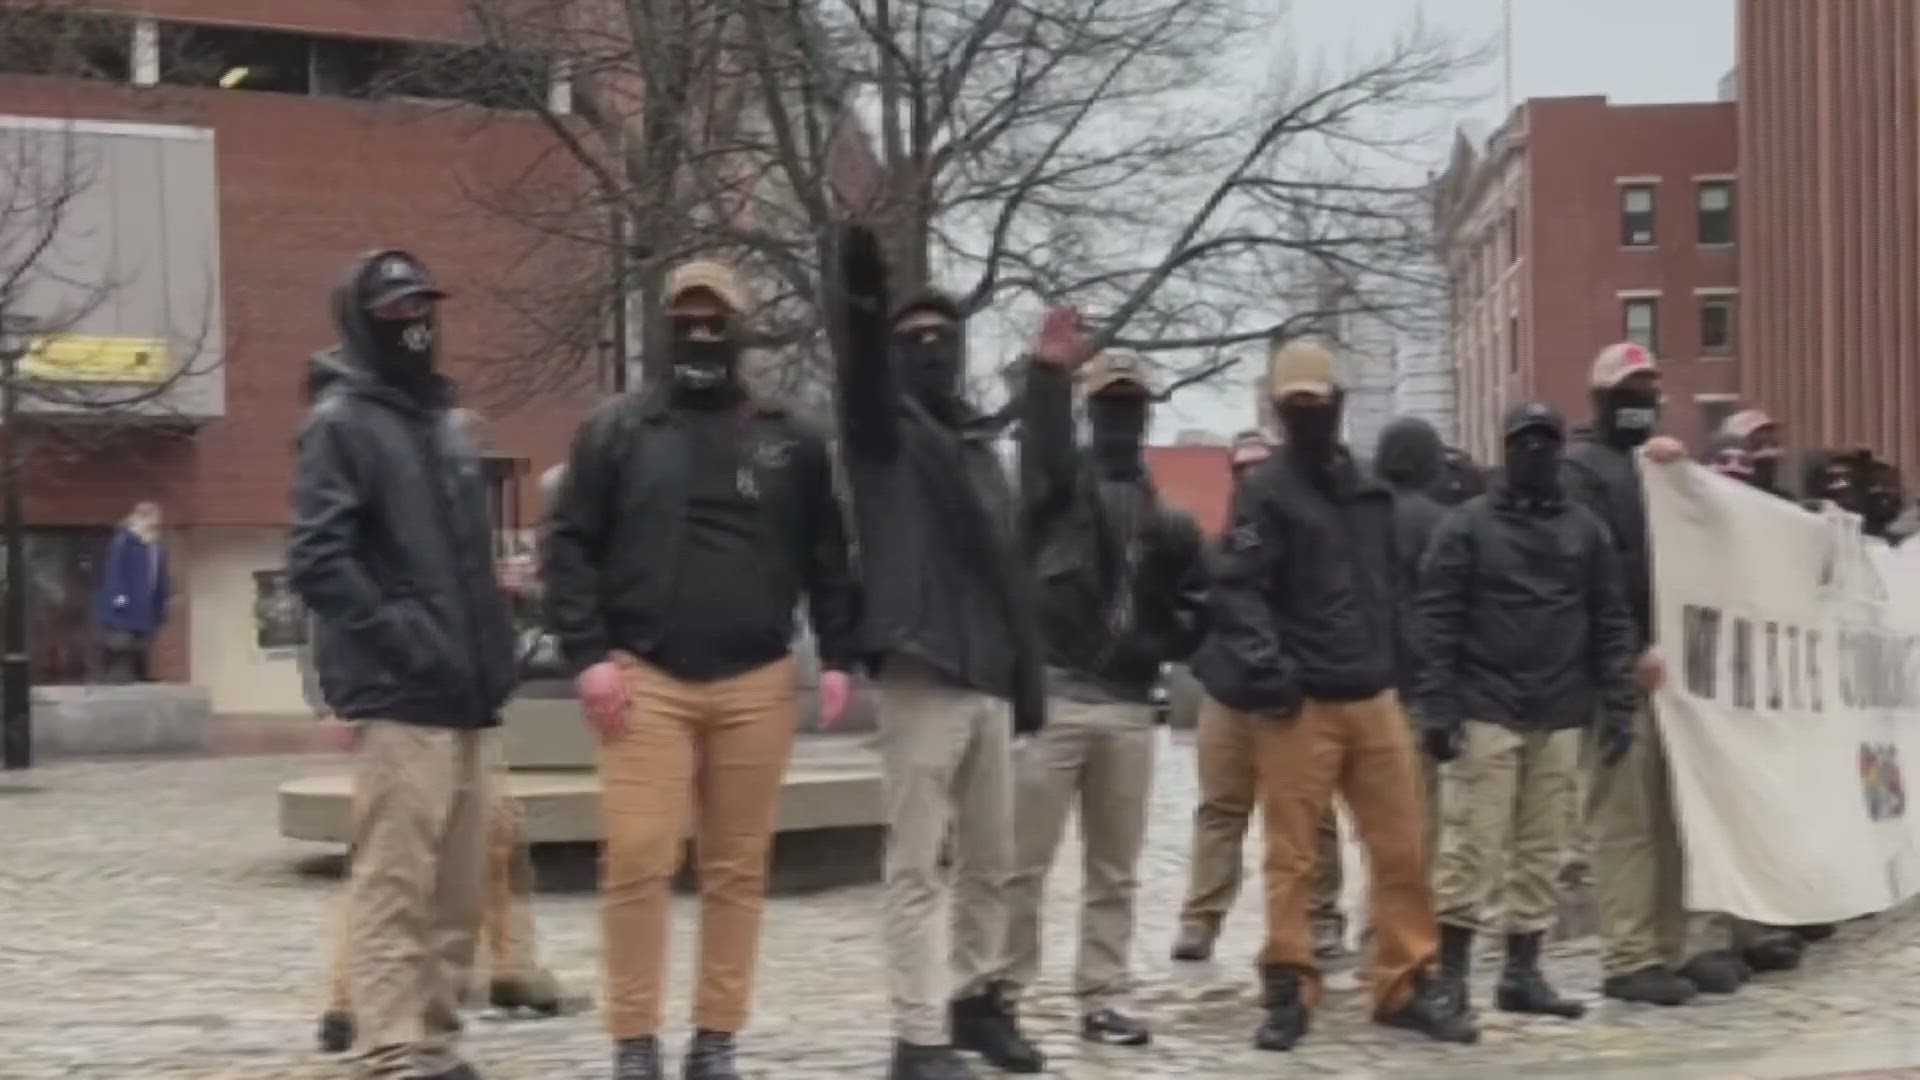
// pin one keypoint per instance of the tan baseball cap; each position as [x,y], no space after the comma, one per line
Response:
[1621,361]
[716,278]
[1743,424]
[1117,366]
[1301,367]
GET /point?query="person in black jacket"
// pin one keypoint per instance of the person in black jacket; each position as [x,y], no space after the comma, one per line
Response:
[391,550]
[1652,950]
[691,520]
[1302,645]
[1525,642]
[1122,593]
[1459,480]
[950,621]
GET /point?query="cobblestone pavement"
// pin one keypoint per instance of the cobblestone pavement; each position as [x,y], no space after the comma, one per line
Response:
[154,926]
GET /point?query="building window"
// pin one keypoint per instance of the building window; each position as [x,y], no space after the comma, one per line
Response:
[65,44]
[1716,212]
[1716,325]
[1636,215]
[235,59]
[1641,316]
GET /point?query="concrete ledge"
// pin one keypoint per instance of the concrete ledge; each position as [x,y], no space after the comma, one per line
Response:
[101,721]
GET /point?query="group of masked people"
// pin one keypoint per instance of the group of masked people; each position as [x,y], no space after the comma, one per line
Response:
[1750,448]
[1015,634]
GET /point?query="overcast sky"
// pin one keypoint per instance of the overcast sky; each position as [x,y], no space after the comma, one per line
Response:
[1628,50]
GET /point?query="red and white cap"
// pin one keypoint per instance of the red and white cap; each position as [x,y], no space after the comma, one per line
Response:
[1622,361]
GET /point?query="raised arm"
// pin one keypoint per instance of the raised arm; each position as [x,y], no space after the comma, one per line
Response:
[856,301]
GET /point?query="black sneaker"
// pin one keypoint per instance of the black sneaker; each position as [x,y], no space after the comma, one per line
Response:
[915,1062]
[988,1025]
[710,1057]
[1286,1020]
[1436,1012]
[1716,972]
[637,1059]
[1112,1027]
[1650,986]
[336,1032]
[1814,933]
[1777,950]
[1524,989]
[538,993]
[1194,943]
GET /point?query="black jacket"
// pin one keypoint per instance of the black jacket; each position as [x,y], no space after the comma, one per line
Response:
[936,528]
[1521,620]
[1410,461]
[1606,480]
[1083,573]
[613,533]
[391,550]
[1303,603]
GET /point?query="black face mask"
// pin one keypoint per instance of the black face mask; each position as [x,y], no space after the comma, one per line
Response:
[1312,429]
[704,374]
[1628,415]
[1766,470]
[930,365]
[1879,510]
[1533,465]
[1119,423]
[403,349]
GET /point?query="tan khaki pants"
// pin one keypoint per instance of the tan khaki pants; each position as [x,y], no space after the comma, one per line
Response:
[421,797]
[1364,750]
[1507,808]
[1098,757]
[506,924]
[1224,754]
[945,764]
[718,750]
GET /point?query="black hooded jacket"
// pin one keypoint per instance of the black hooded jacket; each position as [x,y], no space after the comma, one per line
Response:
[1606,480]
[1409,461]
[391,546]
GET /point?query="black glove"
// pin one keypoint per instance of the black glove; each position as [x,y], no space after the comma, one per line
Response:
[863,269]
[1615,739]
[1443,742]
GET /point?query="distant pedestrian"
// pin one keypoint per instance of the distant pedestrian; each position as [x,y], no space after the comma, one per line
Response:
[391,550]
[130,601]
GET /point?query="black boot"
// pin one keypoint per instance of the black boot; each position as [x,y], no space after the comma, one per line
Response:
[1456,961]
[1112,1027]
[1716,972]
[1523,989]
[538,993]
[336,1031]
[1650,986]
[1286,1020]
[1194,943]
[710,1057]
[1814,933]
[637,1059]
[988,1025]
[1436,1012]
[912,1062]
[1776,950]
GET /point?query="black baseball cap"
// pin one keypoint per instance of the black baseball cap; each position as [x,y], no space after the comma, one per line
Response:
[1534,416]
[393,275]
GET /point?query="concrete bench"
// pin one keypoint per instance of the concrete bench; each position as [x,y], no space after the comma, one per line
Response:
[139,718]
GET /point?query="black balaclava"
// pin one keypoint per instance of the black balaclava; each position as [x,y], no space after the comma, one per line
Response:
[1119,423]
[1766,469]
[1625,415]
[400,352]
[1312,427]
[1535,435]
[930,362]
[703,374]
[1881,503]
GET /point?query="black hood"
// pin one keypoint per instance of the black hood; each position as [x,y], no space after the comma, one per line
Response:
[325,370]
[352,361]
[1409,454]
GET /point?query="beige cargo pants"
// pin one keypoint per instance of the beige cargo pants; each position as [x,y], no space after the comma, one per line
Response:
[421,800]
[946,770]
[1098,758]
[1508,805]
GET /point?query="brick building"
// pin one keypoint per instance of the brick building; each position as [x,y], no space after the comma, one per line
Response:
[272,182]
[1580,223]
[1829,104]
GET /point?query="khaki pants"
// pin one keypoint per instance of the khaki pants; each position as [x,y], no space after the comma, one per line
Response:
[506,924]
[1364,750]
[421,797]
[719,751]
[945,764]
[1638,869]
[1507,808]
[1099,757]
[1224,754]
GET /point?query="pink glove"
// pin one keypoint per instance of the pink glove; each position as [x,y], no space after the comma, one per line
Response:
[603,699]
[836,693]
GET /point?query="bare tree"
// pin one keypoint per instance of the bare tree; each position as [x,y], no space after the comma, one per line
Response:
[1126,156]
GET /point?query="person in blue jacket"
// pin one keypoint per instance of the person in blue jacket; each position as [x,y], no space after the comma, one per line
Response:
[130,605]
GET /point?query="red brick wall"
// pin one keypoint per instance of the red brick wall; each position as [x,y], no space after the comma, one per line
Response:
[305,185]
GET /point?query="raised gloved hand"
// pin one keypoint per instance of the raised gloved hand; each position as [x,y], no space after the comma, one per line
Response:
[863,268]
[1615,739]
[1443,742]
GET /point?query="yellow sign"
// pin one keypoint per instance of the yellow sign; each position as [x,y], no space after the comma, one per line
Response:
[70,358]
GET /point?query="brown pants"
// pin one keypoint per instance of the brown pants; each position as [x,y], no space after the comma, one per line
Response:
[718,750]
[1364,750]
[1224,754]
[420,800]
[506,925]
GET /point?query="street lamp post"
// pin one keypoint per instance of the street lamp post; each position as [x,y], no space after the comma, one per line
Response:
[16,698]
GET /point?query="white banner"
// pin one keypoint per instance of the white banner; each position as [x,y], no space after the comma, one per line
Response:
[1792,702]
